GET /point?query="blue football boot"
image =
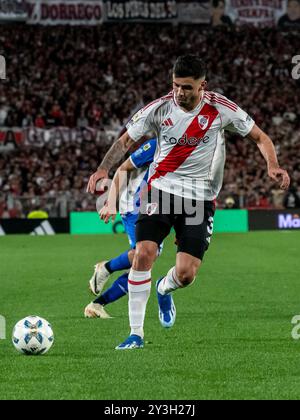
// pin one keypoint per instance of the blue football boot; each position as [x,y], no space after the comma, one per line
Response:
[167,309]
[132,342]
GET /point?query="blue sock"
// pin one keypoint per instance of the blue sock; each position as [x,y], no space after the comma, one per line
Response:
[115,292]
[118,264]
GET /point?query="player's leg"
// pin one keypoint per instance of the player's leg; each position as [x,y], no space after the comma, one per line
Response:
[124,261]
[182,275]
[121,262]
[178,277]
[118,289]
[104,269]
[139,283]
[139,289]
[151,229]
[193,242]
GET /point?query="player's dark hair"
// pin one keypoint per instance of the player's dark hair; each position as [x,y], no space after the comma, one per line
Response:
[190,66]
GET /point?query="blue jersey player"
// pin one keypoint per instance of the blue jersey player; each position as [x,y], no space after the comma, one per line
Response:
[137,167]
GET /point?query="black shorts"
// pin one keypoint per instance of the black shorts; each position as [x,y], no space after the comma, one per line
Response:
[192,220]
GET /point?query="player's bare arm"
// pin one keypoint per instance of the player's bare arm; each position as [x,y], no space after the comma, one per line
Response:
[267,148]
[119,180]
[113,156]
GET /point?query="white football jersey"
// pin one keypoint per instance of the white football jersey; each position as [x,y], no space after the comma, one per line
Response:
[190,155]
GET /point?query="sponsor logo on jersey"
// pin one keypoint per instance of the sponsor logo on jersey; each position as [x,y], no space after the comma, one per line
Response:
[135,118]
[147,147]
[186,141]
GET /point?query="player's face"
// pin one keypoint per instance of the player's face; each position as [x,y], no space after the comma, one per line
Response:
[188,91]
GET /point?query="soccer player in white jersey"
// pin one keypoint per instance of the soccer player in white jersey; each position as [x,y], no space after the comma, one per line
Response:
[188,167]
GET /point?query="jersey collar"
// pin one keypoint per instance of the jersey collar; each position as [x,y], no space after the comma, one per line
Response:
[196,110]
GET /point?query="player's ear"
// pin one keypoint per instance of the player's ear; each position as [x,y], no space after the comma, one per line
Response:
[202,86]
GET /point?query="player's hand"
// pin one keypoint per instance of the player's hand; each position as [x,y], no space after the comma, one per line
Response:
[100,175]
[108,212]
[281,177]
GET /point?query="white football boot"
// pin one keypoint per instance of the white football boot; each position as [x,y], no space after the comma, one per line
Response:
[94,310]
[99,279]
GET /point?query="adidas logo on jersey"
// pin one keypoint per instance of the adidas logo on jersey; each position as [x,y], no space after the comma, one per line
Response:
[168,123]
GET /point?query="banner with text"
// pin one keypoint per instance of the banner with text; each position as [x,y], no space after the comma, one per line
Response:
[12,138]
[194,12]
[274,219]
[260,13]
[65,12]
[13,10]
[128,10]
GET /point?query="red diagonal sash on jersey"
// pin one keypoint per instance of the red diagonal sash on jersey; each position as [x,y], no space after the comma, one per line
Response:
[180,153]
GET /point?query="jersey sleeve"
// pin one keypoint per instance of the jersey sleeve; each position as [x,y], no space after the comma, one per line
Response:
[144,155]
[143,123]
[237,121]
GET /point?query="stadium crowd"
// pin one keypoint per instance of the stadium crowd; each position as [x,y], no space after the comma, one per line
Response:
[98,76]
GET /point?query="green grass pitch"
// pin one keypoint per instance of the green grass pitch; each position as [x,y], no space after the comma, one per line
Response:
[232,338]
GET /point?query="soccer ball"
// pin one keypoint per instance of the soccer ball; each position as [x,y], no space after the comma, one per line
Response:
[33,336]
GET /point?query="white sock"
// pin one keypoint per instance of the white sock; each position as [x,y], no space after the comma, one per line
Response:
[170,283]
[139,289]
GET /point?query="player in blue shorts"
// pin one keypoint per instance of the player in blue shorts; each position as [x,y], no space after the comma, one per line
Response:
[137,166]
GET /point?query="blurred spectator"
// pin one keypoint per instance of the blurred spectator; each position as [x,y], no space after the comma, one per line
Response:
[218,16]
[82,121]
[277,198]
[27,121]
[292,18]
[230,204]
[39,122]
[3,115]
[292,199]
[263,202]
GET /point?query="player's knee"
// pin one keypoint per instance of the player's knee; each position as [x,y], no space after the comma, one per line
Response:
[141,255]
[145,255]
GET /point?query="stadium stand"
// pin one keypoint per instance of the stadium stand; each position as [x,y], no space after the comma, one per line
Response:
[97,77]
